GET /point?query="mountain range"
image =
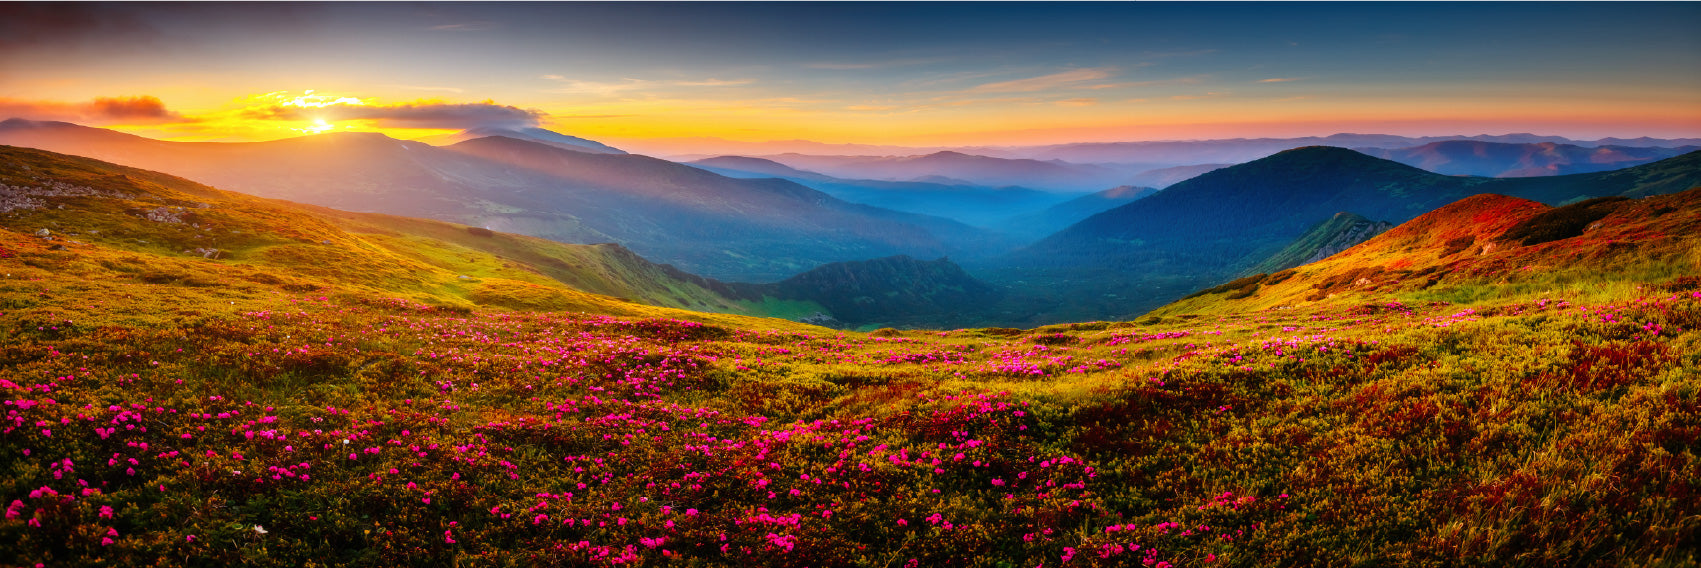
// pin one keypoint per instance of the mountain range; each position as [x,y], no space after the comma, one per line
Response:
[1499,159]
[1038,224]
[957,168]
[1207,229]
[541,135]
[1486,242]
[1106,255]
[759,230]
[972,204]
[102,222]
[1237,150]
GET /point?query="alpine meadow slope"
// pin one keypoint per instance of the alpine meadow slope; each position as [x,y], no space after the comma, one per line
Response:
[761,230]
[361,390]
[1490,246]
[111,224]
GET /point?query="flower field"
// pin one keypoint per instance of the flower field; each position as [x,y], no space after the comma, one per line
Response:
[316,390]
[350,430]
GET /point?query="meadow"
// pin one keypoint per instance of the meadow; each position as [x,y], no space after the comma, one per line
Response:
[346,390]
[350,429]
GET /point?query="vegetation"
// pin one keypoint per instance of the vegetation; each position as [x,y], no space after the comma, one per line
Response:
[1259,217]
[164,409]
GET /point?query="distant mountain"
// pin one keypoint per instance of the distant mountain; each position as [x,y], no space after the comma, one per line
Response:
[718,226]
[1497,159]
[112,223]
[1330,237]
[1055,218]
[1485,239]
[748,167]
[1237,150]
[705,223]
[1051,175]
[1211,227]
[968,203]
[1164,177]
[549,137]
[1671,175]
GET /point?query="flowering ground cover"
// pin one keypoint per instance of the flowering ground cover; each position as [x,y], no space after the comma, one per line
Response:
[330,397]
[381,432]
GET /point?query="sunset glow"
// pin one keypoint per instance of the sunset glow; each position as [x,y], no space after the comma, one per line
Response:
[906,74]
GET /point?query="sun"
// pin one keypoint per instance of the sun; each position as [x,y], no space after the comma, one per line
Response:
[319,125]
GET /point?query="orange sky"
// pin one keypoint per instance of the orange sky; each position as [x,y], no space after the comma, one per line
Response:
[915,75]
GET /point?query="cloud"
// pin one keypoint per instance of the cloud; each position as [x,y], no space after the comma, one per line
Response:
[1279,80]
[144,109]
[1208,95]
[611,88]
[711,82]
[463,27]
[408,115]
[604,88]
[429,88]
[1044,82]
[61,25]
[1080,102]
[842,66]
[847,66]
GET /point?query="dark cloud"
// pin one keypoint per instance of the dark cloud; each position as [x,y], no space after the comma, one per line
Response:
[101,111]
[132,108]
[32,25]
[410,115]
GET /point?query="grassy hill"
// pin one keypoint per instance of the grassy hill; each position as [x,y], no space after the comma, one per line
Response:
[1490,246]
[1334,235]
[705,223]
[111,225]
[299,403]
[1221,224]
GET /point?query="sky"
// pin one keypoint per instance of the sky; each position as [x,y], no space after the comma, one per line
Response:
[915,74]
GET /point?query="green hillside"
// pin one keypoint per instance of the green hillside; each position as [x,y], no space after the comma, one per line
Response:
[110,225]
[1337,233]
[327,390]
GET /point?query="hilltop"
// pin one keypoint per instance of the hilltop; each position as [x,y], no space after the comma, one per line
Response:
[114,226]
[1493,245]
[1218,225]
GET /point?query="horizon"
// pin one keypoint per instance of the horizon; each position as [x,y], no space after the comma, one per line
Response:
[686,78]
[661,144]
